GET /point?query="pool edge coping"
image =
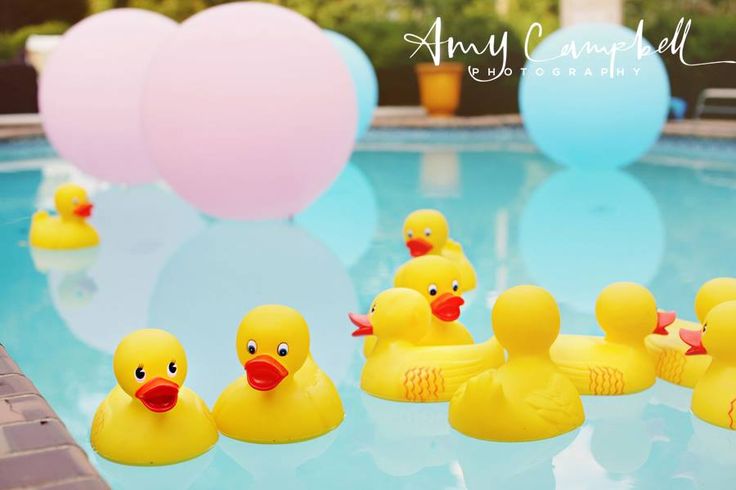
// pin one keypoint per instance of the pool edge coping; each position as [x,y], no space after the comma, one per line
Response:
[36,449]
[23,126]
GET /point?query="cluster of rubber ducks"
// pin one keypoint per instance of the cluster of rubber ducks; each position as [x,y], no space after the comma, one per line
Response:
[522,384]
[150,418]
[525,382]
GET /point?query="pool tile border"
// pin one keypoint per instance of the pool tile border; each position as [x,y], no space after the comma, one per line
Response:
[36,449]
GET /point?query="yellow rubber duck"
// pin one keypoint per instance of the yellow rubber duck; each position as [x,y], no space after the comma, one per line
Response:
[714,395]
[527,398]
[618,363]
[668,350]
[69,229]
[427,233]
[401,370]
[283,396]
[437,279]
[149,418]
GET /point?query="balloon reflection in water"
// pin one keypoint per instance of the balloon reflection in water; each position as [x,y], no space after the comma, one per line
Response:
[582,231]
[74,287]
[713,454]
[216,278]
[269,463]
[516,465]
[181,475]
[344,217]
[622,437]
[140,227]
[407,437]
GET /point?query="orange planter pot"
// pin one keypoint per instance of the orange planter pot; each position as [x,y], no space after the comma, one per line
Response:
[439,87]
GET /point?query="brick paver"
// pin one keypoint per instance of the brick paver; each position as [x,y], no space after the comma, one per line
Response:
[36,450]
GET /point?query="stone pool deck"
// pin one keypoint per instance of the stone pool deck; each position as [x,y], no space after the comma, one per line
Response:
[415,118]
[36,450]
[29,125]
[14,126]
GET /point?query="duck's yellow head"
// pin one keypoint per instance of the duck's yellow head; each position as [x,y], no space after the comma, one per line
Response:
[71,202]
[438,280]
[628,312]
[425,232]
[712,293]
[150,366]
[272,344]
[718,336]
[398,313]
[526,320]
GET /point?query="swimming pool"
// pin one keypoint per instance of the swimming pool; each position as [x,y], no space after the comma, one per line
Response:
[665,222]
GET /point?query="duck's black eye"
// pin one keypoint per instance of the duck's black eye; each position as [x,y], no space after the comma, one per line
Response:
[282,349]
[432,289]
[172,368]
[140,373]
[455,285]
[252,347]
[373,308]
[427,232]
[704,327]
[410,234]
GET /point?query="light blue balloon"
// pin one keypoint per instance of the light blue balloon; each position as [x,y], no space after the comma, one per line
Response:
[594,121]
[364,77]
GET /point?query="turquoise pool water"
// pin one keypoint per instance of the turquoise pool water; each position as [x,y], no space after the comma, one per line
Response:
[666,221]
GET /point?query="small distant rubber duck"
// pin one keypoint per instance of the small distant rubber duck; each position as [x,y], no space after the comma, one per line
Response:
[401,370]
[149,418]
[437,279]
[426,232]
[283,396]
[672,364]
[714,395]
[69,229]
[527,398]
[618,363]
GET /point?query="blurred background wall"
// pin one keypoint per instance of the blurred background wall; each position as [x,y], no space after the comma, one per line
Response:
[379,25]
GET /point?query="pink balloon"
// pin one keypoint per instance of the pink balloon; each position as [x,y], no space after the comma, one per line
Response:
[249,111]
[91,88]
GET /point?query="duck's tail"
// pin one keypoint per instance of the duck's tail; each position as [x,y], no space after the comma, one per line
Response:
[453,249]
[39,216]
[474,359]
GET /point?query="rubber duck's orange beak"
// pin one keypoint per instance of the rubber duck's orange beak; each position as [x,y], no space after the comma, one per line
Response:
[158,395]
[693,338]
[84,210]
[363,322]
[664,320]
[264,373]
[447,307]
[418,247]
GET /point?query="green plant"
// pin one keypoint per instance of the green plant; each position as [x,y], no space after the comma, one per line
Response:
[383,41]
[100,5]
[710,39]
[176,9]
[12,43]
[654,11]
